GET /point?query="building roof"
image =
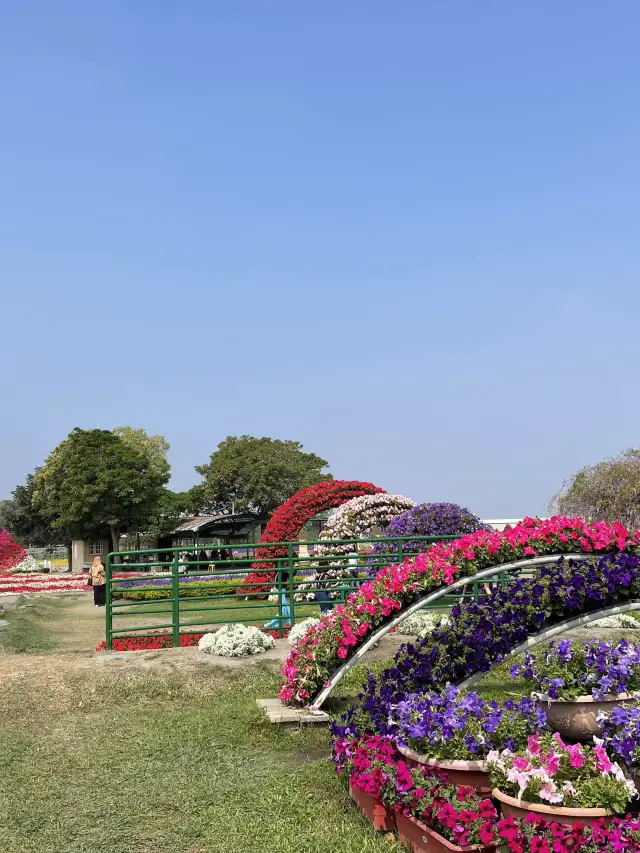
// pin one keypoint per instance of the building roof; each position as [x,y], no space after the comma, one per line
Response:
[197,523]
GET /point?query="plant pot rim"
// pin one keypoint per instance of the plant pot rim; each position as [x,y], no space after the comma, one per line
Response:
[445,841]
[541,808]
[584,700]
[445,764]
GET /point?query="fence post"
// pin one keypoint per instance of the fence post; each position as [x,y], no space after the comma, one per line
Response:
[175,600]
[400,552]
[292,587]
[108,613]
[279,586]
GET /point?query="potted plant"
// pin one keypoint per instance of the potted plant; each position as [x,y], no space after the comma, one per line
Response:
[579,681]
[455,732]
[434,817]
[621,738]
[368,761]
[535,835]
[568,784]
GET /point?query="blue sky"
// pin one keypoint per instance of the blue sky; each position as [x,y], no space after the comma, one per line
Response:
[405,234]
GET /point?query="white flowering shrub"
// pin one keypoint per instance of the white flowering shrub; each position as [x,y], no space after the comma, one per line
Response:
[620,620]
[301,629]
[421,623]
[236,641]
[27,565]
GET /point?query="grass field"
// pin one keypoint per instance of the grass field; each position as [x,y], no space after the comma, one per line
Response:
[167,759]
[159,753]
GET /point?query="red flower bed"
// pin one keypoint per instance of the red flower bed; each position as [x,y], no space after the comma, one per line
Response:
[289,519]
[11,554]
[160,640]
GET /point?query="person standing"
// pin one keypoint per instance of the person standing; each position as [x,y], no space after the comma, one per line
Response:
[98,582]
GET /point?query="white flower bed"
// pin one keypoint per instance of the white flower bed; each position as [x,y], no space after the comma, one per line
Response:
[421,623]
[620,620]
[298,631]
[28,565]
[236,641]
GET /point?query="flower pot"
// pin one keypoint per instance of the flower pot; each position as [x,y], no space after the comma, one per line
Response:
[471,773]
[575,719]
[512,807]
[422,839]
[382,818]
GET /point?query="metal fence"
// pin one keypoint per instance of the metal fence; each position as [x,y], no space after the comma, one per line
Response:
[174,595]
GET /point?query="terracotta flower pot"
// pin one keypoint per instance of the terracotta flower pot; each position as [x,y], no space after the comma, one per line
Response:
[575,719]
[382,818]
[512,807]
[422,839]
[471,773]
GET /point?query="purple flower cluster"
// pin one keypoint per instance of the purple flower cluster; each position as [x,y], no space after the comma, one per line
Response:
[429,519]
[482,633]
[160,582]
[566,669]
[621,737]
[464,726]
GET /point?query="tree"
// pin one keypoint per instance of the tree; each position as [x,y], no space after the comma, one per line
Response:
[608,491]
[95,479]
[256,474]
[24,522]
[154,447]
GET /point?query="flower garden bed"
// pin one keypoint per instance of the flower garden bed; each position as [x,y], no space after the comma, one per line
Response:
[411,732]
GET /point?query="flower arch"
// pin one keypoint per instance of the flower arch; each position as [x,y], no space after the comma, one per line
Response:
[397,590]
[289,519]
[13,557]
[355,518]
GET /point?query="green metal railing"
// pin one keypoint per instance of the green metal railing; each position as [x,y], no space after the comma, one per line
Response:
[179,590]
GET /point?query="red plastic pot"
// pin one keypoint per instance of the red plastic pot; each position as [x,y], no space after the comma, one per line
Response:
[422,839]
[382,818]
[470,773]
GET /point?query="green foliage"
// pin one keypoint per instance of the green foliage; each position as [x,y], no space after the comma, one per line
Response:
[153,447]
[608,491]
[256,474]
[95,480]
[24,522]
[187,590]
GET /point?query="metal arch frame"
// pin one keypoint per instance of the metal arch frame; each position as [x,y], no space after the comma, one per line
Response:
[543,636]
[344,668]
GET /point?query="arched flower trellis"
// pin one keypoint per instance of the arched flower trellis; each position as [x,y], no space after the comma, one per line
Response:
[289,519]
[13,557]
[356,518]
[312,661]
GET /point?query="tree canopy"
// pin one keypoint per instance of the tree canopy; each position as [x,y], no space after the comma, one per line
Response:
[24,522]
[249,474]
[608,491]
[96,479]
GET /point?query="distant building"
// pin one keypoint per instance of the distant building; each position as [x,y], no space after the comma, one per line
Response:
[501,523]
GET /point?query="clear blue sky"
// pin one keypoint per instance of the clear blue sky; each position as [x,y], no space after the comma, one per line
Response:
[403,233]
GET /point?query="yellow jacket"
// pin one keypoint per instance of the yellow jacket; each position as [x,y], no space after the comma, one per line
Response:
[97,575]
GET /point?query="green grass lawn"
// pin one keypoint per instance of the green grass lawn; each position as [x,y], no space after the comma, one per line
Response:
[120,760]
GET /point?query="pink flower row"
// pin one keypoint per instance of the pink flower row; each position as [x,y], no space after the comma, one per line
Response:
[315,656]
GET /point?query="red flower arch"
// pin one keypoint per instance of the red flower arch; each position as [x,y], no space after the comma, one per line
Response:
[289,519]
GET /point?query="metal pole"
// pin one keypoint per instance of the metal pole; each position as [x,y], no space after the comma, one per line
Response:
[292,587]
[108,613]
[175,600]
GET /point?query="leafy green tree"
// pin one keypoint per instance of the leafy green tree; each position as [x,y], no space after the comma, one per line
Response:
[24,522]
[95,479]
[154,447]
[608,491]
[256,474]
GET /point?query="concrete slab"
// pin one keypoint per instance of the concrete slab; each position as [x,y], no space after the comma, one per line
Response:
[282,715]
